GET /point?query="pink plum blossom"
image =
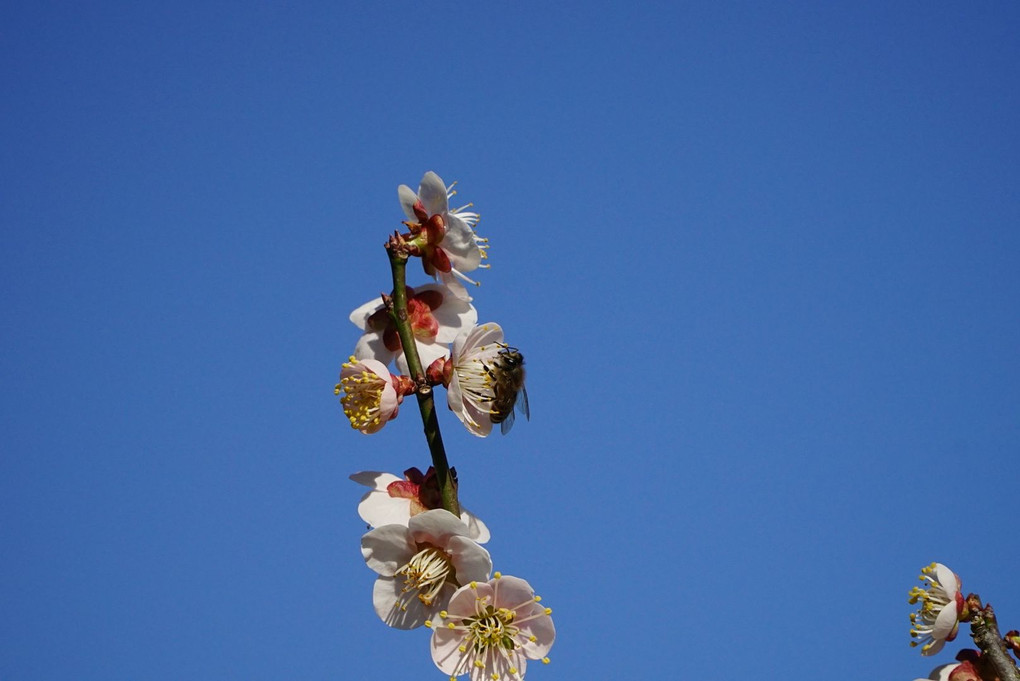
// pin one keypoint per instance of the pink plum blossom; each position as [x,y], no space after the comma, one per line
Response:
[370,398]
[490,630]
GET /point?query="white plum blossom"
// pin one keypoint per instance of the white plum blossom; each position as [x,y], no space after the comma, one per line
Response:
[394,500]
[436,315]
[490,630]
[370,398]
[482,381]
[421,565]
[938,617]
[460,250]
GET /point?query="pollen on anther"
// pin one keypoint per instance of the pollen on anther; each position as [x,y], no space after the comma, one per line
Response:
[497,575]
[428,623]
[548,611]
[545,660]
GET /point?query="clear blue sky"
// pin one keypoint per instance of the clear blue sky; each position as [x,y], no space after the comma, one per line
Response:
[763,260]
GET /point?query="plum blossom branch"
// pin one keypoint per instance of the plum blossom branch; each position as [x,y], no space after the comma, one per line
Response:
[396,248]
[984,629]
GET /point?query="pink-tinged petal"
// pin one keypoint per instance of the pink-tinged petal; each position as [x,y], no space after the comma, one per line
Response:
[397,609]
[948,579]
[945,623]
[542,628]
[512,592]
[407,199]
[432,193]
[942,672]
[446,652]
[371,346]
[470,561]
[388,548]
[477,530]
[462,604]
[436,526]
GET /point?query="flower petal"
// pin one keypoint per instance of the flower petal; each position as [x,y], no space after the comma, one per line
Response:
[948,579]
[371,346]
[399,609]
[433,194]
[407,200]
[388,548]
[477,530]
[471,562]
[359,317]
[436,526]
[945,622]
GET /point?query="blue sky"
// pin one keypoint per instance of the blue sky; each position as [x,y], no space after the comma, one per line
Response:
[763,261]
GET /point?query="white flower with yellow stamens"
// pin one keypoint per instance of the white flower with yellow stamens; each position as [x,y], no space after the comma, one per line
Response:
[938,617]
[421,565]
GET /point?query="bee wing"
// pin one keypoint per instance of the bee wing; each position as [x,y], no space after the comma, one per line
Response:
[507,423]
[522,402]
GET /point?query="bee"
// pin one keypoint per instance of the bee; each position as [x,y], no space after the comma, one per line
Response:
[507,374]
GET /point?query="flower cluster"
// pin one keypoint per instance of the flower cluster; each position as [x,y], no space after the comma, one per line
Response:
[424,547]
[483,375]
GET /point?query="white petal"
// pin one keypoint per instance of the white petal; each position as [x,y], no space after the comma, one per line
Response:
[359,317]
[455,315]
[477,530]
[460,245]
[427,354]
[470,560]
[374,479]
[371,346]
[407,200]
[948,579]
[936,646]
[445,650]
[388,548]
[432,193]
[945,622]
[406,613]
[436,526]
[483,334]
[379,508]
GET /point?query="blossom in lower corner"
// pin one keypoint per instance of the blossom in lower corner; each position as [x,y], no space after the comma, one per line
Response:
[490,630]
[394,501]
[371,396]
[421,565]
[941,603]
[485,380]
[452,248]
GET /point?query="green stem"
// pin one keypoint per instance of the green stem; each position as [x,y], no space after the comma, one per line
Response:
[426,401]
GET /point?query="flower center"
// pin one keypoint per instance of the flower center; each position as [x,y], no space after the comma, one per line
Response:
[362,397]
[426,573]
[492,629]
